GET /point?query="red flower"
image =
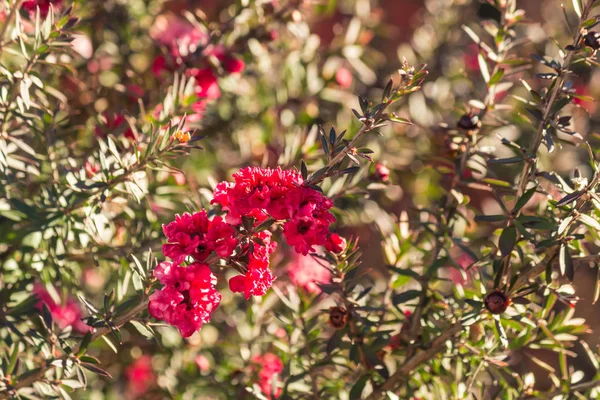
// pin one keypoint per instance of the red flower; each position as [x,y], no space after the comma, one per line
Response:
[258,279]
[280,195]
[206,83]
[270,365]
[256,282]
[66,313]
[115,124]
[188,298]
[230,64]
[382,173]
[197,236]
[44,5]
[140,376]
[335,243]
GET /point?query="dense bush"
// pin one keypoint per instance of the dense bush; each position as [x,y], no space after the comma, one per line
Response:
[187,209]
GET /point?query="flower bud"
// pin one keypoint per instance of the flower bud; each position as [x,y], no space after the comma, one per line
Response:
[382,173]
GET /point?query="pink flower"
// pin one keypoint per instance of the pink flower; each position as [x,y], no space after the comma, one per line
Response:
[335,243]
[115,124]
[269,365]
[178,35]
[188,298]
[202,362]
[67,313]
[206,83]
[140,376]
[44,5]
[382,173]
[343,77]
[306,272]
[197,236]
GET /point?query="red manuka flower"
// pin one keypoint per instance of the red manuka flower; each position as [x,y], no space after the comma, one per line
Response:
[257,189]
[259,278]
[66,313]
[140,376]
[230,64]
[270,365]
[198,236]
[188,298]
[335,243]
[207,86]
[115,123]
[44,5]
[256,282]
[279,194]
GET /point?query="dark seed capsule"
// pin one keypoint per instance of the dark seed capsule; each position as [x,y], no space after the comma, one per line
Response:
[469,122]
[496,302]
[592,39]
[338,317]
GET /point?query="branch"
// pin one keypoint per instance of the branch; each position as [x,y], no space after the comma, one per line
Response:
[409,365]
[29,379]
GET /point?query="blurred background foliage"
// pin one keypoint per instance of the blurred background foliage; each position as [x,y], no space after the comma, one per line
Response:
[70,224]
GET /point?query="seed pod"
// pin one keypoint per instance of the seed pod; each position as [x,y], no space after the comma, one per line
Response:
[496,302]
[338,317]
[469,122]
[592,39]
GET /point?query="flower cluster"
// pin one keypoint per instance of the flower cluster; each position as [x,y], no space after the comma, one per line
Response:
[269,366]
[188,298]
[188,50]
[278,194]
[257,199]
[197,236]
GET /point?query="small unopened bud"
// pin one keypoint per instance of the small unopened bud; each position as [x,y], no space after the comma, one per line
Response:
[496,302]
[382,173]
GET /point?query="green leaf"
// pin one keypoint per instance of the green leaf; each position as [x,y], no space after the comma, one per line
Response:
[501,333]
[357,389]
[590,221]
[95,369]
[566,262]
[507,241]
[577,8]
[496,77]
[483,67]
[143,329]
[524,199]
[496,182]
[406,296]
